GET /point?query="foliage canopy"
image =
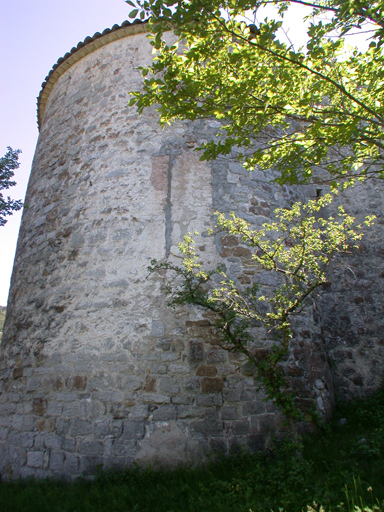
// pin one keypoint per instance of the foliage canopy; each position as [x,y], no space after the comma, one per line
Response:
[298,248]
[8,163]
[296,110]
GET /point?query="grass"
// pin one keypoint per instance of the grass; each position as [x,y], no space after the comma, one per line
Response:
[341,468]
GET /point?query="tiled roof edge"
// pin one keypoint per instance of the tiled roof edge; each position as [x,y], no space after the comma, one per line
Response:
[78,52]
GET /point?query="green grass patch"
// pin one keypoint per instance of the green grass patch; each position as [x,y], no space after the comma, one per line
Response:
[341,468]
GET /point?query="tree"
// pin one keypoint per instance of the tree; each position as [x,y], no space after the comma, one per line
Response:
[315,112]
[8,163]
[314,109]
[299,248]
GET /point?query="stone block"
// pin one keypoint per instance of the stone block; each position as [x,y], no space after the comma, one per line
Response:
[191,384]
[229,412]
[54,409]
[155,398]
[248,369]
[7,409]
[232,395]
[181,400]
[71,464]
[168,356]
[165,413]
[38,442]
[179,368]
[71,410]
[240,427]
[185,411]
[69,445]
[89,464]
[254,407]
[90,448]
[210,426]
[26,421]
[169,385]
[67,397]
[249,394]
[229,241]
[206,371]
[209,399]
[216,355]
[77,382]
[199,328]
[53,442]
[18,373]
[35,459]
[133,429]
[212,385]
[81,427]
[150,384]
[117,427]
[139,412]
[157,329]
[39,406]
[56,462]
[123,448]
[133,383]
[196,350]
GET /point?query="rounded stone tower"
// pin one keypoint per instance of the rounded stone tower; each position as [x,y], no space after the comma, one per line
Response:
[96,370]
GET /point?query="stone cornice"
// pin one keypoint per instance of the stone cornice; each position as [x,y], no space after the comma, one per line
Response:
[89,45]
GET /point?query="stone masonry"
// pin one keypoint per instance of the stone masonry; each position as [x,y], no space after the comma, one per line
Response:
[96,370]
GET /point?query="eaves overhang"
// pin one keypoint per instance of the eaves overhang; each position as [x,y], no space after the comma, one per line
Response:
[89,45]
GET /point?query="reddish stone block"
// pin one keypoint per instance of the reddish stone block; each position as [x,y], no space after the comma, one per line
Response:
[206,371]
[229,241]
[39,406]
[18,373]
[150,384]
[199,328]
[212,385]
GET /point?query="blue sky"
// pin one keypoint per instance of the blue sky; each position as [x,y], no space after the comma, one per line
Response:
[33,36]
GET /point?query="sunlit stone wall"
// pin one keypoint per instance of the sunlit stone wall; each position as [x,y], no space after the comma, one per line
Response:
[96,370]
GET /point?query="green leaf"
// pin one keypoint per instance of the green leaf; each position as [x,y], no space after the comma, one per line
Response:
[133,13]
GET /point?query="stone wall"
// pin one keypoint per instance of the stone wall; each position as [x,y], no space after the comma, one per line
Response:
[96,370]
[351,309]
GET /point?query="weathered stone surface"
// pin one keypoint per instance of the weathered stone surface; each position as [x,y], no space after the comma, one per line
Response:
[81,427]
[206,371]
[169,446]
[95,369]
[35,459]
[196,350]
[165,413]
[212,385]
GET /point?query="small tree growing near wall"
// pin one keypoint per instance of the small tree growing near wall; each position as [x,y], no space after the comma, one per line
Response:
[8,163]
[298,248]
